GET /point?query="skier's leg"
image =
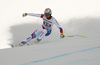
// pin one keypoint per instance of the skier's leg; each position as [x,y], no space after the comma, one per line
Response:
[48,32]
[33,35]
[42,35]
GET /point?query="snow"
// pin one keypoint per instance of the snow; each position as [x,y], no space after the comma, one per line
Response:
[77,17]
[66,52]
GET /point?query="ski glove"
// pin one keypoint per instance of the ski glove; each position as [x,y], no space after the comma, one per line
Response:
[61,35]
[25,14]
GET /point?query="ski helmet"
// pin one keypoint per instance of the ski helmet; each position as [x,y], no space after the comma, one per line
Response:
[47,11]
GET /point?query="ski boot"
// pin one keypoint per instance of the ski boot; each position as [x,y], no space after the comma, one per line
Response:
[36,41]
[20,44]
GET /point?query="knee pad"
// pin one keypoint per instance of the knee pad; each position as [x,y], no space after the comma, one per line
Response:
[33,35]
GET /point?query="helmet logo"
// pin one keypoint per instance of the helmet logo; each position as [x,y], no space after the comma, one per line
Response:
[46,11]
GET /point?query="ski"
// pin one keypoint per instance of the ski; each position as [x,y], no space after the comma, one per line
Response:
[77,35]
[11,45]
[17,45]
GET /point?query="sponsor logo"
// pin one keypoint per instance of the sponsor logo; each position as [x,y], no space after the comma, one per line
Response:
[47,20]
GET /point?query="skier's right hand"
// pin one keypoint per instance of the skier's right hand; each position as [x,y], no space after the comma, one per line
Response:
[62,35]
[24,14]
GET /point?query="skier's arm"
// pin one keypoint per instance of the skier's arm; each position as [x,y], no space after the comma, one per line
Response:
[36,15]
[61,30]
[32,14]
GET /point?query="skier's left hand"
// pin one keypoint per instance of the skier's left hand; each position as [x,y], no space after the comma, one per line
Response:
[62,35]
[25,14]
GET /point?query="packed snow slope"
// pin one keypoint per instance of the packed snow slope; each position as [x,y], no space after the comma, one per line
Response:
[55,51]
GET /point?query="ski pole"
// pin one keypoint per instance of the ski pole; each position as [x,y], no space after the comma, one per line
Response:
[77,35]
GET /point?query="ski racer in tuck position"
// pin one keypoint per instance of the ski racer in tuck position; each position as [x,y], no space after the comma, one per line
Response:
[45,29]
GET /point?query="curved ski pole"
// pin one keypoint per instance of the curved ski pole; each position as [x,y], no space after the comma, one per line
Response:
[70,36]
[77,35]
[81,36]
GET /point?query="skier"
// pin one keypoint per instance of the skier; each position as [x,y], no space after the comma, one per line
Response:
[45,29]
